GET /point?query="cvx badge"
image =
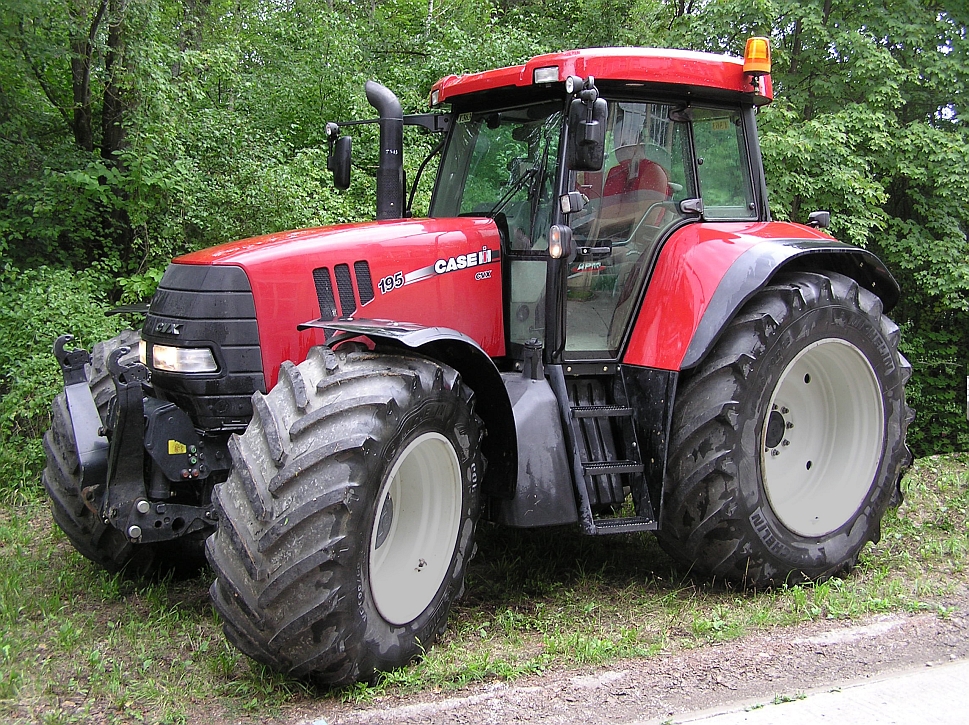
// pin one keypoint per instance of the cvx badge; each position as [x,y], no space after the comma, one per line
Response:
[168,328]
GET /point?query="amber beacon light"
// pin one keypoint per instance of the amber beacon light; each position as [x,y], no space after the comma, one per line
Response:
[757,56]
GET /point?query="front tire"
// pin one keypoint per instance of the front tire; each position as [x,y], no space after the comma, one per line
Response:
[349,515]
[789,441]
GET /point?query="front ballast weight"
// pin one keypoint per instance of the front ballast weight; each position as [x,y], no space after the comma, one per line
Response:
[119,484]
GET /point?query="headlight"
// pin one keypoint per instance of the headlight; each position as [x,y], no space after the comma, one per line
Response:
[142,352]
[183,359]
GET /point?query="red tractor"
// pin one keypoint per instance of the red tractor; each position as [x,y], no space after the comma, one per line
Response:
[598,324]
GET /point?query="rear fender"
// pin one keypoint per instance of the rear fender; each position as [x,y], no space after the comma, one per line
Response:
[477,370]
[702,280]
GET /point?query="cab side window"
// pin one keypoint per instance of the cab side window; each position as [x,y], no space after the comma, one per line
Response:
[721,156]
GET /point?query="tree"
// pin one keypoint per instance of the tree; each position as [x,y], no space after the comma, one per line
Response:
[869,122]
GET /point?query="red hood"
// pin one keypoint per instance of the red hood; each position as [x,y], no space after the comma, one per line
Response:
[362,239]
[432,272]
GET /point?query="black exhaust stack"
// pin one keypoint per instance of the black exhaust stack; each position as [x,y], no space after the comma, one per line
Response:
[390,171]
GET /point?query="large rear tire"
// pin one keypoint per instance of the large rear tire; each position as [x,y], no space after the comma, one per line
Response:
[101,543]
[349,515]
[788,441]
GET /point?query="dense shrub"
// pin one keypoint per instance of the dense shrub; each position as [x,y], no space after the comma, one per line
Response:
[35,307]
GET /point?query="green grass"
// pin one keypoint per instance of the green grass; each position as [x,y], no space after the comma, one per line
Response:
[77,644]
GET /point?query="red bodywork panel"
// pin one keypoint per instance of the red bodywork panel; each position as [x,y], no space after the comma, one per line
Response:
[636,65]
[690,266]
[433,272]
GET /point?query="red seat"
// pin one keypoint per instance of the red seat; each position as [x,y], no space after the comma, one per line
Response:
[629,189]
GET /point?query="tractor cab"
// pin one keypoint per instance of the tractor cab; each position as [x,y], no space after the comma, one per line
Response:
[608,152]
[508,165]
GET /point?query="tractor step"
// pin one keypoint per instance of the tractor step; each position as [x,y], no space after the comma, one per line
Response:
[601,468]
[606,459]
[601,411]
[627,525]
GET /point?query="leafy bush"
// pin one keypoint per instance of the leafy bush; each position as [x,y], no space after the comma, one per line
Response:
[36,306]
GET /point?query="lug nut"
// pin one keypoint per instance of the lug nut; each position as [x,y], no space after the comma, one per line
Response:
[134,532]
[143,506]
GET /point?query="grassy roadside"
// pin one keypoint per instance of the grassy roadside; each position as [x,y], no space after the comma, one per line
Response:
[78,645]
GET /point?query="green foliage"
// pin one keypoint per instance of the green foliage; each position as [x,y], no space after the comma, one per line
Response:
[223,105]
[36,306]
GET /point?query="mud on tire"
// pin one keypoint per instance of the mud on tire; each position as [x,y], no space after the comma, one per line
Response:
[324,564]
[102,544]
[788,442]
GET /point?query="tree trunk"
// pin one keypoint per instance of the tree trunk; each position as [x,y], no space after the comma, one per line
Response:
[82,49]
[113,108]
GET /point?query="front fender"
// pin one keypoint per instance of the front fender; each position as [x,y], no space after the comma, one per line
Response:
[706,272]
[477,369]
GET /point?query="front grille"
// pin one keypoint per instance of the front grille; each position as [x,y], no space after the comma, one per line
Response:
[364,282]
[348,304]
[324,293]
[211,305]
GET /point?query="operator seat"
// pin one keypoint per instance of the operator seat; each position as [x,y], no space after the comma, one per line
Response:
[630,188]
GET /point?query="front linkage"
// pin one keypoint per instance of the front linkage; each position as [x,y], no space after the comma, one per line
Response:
[118,484]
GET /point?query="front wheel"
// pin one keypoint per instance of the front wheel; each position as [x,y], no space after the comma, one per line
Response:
[349,515]
[789,441]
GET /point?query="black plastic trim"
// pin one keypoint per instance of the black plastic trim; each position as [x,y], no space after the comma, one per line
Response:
[208,306]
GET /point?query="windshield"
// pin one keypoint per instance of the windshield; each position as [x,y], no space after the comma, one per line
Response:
[502,164]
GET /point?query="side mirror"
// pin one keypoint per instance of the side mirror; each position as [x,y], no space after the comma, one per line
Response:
[338,161]
[587,134]
[819,219]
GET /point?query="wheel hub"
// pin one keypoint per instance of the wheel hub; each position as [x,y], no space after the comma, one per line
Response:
[818,472]
[384,522]
[776,427]
[415,528]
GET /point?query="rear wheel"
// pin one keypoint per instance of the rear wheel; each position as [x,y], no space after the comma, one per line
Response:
[789,441]
[349,515]
[101,543]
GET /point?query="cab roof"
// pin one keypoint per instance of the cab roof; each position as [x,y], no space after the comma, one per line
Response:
[634,66]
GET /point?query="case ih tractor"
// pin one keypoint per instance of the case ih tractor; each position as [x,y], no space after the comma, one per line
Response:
[598,324]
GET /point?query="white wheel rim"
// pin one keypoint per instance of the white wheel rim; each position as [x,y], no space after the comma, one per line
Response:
[415,528]
[823,437]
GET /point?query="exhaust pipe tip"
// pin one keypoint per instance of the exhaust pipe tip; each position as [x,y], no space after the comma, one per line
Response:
[390,171]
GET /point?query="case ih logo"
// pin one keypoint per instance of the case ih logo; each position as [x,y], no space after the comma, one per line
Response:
[443,266]
[168,328]
[463,261]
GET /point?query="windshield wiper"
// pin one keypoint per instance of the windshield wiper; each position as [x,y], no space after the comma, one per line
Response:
[514,189]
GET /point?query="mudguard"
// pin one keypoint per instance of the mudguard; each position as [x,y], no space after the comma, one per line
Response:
[706,272]
[477,369]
